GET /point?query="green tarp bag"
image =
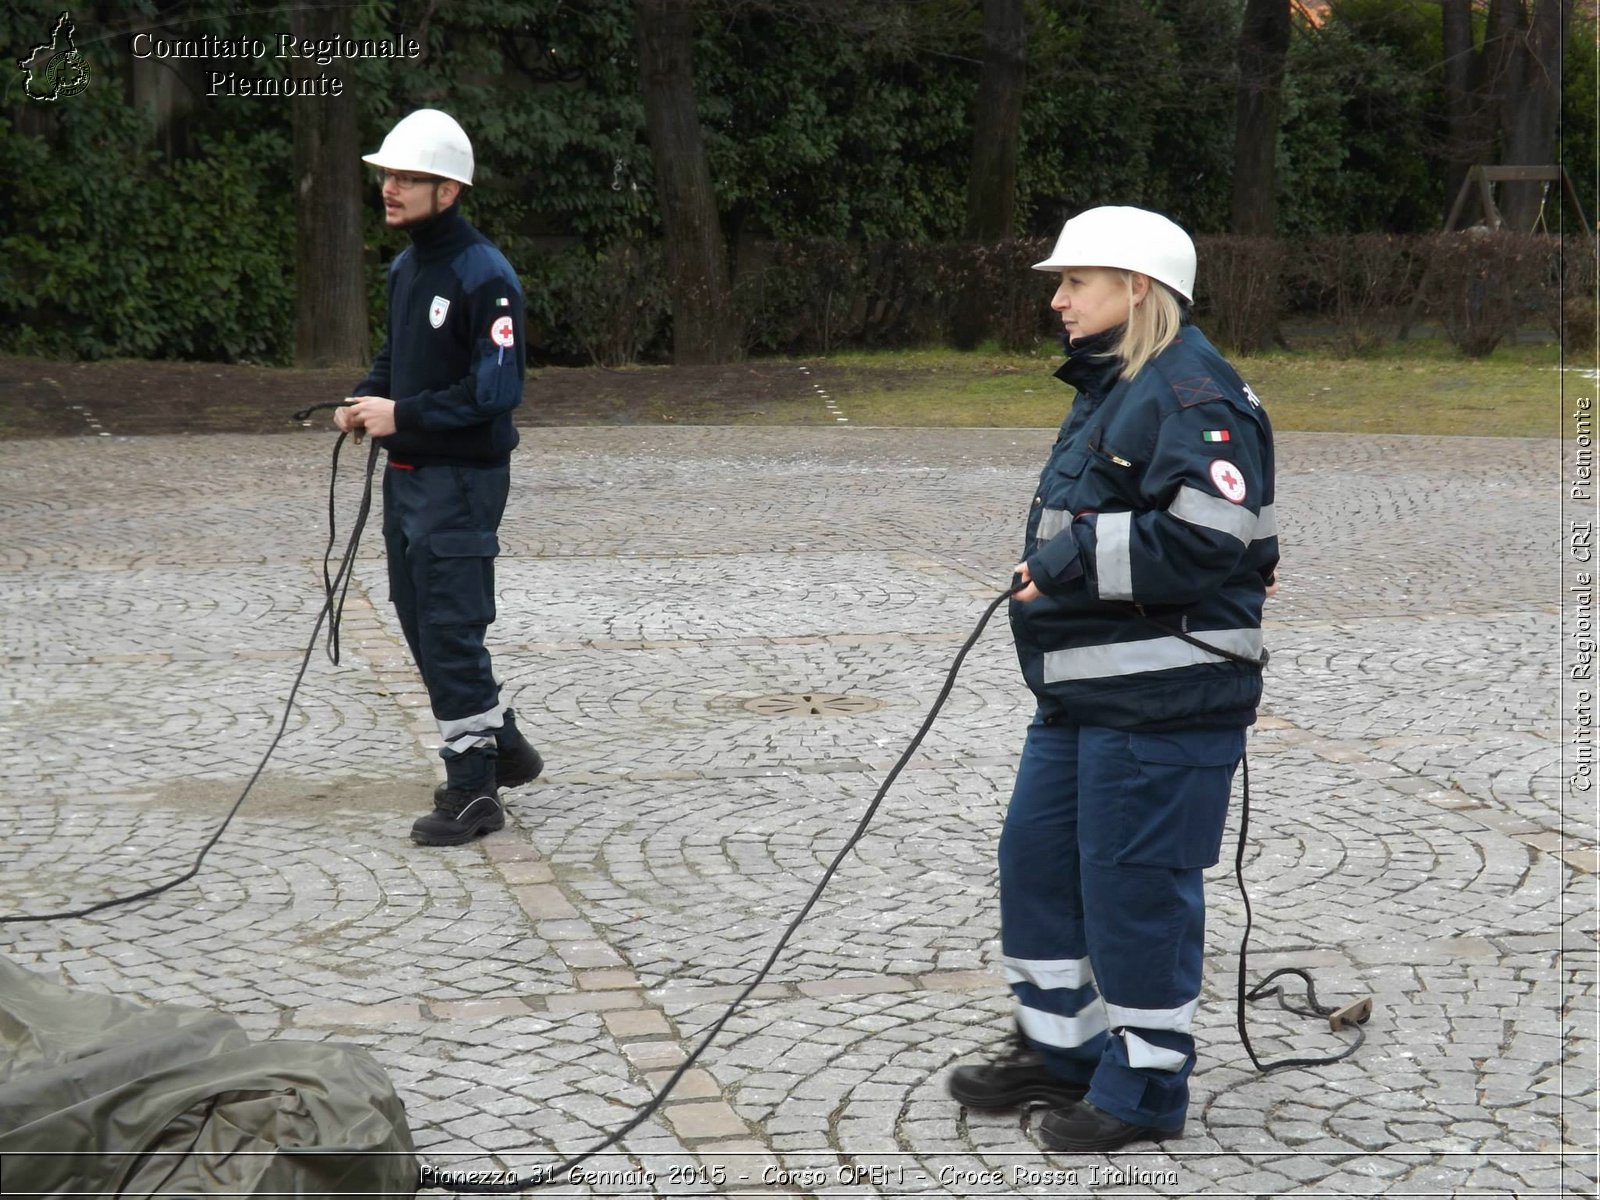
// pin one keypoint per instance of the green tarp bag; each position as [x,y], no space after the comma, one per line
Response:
[100,1095]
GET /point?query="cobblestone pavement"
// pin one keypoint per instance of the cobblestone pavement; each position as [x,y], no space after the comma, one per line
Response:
[1407,836]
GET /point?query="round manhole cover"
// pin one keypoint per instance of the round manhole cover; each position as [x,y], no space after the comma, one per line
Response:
[812,704]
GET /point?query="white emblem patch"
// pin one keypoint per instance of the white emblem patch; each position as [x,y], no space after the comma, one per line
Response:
[500,333]
[437,311]
[1228,480]
[1255,400]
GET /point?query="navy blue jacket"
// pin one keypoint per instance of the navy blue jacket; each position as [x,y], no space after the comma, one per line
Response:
[1157,500]
[454,355]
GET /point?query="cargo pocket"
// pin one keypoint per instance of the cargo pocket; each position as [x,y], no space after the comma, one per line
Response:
[1176,803]
[1057,483]
[1070,464]
[461,577]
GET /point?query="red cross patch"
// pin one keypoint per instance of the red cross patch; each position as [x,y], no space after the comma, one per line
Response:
[500,333]
[1228,480]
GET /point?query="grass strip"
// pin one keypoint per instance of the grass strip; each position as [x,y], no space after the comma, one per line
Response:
[1409,388]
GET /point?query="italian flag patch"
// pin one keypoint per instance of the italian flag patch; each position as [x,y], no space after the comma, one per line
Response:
[1214,435]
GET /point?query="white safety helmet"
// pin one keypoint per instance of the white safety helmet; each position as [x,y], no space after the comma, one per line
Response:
[1132,239]
[428,142]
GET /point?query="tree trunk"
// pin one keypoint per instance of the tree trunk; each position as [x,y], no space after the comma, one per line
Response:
[1470,138]
[1530,114]
[1263,57]
[996,130]
[165,88]
[697,269]
[997,123]
[1504,101]
[330,291]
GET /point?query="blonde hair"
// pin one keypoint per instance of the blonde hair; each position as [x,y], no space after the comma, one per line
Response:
[1152,324]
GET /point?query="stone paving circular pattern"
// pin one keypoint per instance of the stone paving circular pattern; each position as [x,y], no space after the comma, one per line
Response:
[864,1076]
[1320,830]
[1400,526]
[727,595]
[147,725]
[286,914]
[1382,680]
[67,616]
[509,1092]
[1405,797]
[1468,704]
[623,713]
[697,883]
[1346,504]
[152,502]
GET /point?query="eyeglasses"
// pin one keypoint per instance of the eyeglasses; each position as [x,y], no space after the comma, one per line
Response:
[405,182]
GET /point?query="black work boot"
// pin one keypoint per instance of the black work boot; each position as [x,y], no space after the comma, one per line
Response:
[459,815]
[516,762]
[466,806]
[1016,1076]
[1087,1129]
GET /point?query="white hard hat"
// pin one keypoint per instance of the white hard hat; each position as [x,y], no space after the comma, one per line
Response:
[1132,239]
[428,142]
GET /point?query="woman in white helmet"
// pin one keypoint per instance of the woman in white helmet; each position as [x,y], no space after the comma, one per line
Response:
[1150,546]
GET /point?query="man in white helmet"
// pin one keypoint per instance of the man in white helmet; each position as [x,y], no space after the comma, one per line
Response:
[438,400]
[1149,549]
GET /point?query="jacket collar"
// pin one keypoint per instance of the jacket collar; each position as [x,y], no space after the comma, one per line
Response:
[440,233]
[1091,365]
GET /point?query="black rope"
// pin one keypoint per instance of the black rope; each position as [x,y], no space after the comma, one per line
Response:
[546,1177]
[1183,635]
[346,565]
[1245,994]
[330,583]
[341,579]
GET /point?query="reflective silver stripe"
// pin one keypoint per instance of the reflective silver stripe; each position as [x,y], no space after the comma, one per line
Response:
[1063,1032]
[1266,523]
[1051,522]
[1213,512]
[466,733]
[1150,654]
[1178,1019]
[1049,972]
[1142,1056]
[462,815]
[1113,563]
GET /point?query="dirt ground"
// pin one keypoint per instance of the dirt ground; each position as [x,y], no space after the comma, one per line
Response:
[47,398]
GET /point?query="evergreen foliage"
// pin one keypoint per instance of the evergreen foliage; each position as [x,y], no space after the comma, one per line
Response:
[833,127]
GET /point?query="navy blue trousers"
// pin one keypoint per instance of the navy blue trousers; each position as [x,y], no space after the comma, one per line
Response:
[1102,908]
[440,525]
